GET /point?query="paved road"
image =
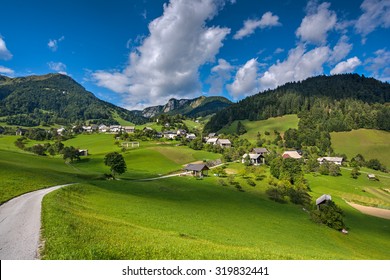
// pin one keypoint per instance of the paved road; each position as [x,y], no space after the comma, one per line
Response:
[20,224]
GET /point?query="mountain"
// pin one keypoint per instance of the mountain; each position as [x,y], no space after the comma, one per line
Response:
[201,106]
[339,103]
[55,98]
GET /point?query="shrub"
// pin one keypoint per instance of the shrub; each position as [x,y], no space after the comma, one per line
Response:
[330,215]
[250,182]
[276,194]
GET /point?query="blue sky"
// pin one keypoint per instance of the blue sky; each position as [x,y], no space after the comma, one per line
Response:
[138,53]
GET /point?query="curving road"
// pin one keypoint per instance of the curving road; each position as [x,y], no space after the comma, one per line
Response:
[20,224]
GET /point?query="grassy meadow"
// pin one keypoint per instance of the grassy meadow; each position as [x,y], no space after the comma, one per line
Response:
[182,217]
[280,124]
[185,218]
[370,143]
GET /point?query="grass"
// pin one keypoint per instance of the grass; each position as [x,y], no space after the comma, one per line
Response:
[21,173]
[370,143]
[184,218]
[281,124]
[181,217]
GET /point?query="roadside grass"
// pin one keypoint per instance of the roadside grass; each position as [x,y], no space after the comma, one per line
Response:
[21,173]
[185,218]
[370,143]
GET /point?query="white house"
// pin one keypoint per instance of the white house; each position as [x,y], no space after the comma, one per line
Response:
[103,128]
[191,136]
[335,160]
[115,128]
[254,159]
[61,130]
[170,135]
[181,132]
[224,143]
[87,128]
[129,129]
[212,141]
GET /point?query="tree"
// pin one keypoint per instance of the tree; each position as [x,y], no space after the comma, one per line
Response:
[330,215]
[240,128]
[71,153]
[116,162]
[376,165]
[355,172]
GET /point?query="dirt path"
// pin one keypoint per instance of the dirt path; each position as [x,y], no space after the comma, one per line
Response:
[20,225]
[373,211]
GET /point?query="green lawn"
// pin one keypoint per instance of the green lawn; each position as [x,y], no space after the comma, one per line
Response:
[185,218]
[281,124]
[370,143]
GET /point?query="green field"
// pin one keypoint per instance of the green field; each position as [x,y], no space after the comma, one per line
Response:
[280,124]
[370,143]
[182,217]
[185,218]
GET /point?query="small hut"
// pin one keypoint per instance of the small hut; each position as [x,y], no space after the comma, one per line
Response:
[322,200]
[199,170]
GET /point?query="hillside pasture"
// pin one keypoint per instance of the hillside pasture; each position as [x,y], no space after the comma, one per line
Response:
[21,173]
[280,124]
[185,218]
[370,143]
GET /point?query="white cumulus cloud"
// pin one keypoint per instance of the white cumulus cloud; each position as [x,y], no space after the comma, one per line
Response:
[167,62]
[299,65]
[220,74]
[379,65]
[347,66]
[340,50]
[250,25]
[57,66]
[317,23]
[376,13]
[53,44]
[246,80]
[5,54]
[6,71]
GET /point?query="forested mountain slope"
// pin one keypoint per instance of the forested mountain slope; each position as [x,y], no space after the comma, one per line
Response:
[334,103]
[54,98]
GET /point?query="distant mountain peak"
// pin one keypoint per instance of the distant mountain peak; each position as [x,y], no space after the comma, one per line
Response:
[199,106]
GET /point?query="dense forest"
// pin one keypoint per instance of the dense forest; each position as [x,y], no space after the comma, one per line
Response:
[54,98]
[323,103]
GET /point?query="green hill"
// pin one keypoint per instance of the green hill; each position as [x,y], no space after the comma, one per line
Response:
[336,103]
[197,107]
[368,142]
[182,217]
[54,98]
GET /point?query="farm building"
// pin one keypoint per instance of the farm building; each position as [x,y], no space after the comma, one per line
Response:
[260,151]
[323,199]
[291,154]
[83,152]
[224,143]
[212,141]
[335,160]
[191,136]
[129,129]
[254,159]
[103,128]
[371,176]
[197,169]
[170,135]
